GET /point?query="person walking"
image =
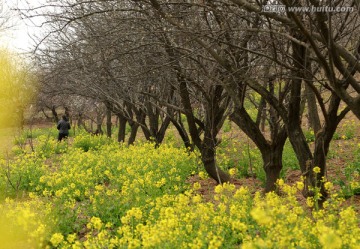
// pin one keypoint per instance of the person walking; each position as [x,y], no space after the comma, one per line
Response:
[63,127]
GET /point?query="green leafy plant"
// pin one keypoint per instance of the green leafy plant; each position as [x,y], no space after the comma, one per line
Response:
[88,142]
[309,135]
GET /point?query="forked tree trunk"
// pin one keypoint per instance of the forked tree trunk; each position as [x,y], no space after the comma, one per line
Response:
[322,143]
[216,114]
[271,151]
[313,180]
[293,126]
[272,159]
[160,133]
[141,120]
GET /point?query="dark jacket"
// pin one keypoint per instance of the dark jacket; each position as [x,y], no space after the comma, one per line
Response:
[63,127]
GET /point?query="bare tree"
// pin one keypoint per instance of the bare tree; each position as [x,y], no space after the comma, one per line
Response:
[151,61]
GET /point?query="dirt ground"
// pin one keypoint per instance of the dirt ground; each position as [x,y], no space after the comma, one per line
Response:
[341,154]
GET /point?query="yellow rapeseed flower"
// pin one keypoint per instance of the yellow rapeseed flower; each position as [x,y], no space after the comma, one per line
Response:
[354,184]
[260,216]
[309,202]
[232,171]
[196,198]
[219,189]
[196,186]
[328,185]
[215,242]
[280,182]
[71,238]
[330,240]
[56,239]
[316,170]
[95,222]
[300,185]
[202,175]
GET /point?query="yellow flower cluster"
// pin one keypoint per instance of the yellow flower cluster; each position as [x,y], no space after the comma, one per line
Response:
[27,222]
[115,196]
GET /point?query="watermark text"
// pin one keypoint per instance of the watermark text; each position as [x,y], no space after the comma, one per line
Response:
[305,9]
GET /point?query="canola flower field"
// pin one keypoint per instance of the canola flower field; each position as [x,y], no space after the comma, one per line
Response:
[93,192]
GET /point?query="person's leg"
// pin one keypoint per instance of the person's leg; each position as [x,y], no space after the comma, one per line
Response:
[61,136]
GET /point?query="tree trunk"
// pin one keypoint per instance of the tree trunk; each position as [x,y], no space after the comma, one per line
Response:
[294,130]
[296,135]
[80,120]
[183,134]
[54,113]
[99,120]
[141,119]
[271,151]
[322,143]
[261,111]
[272,159]
[316,179]
[108,122]
[208,157]
[160,134]
[134,128]
[47,117]
[67,111]
[122,128]
[313,114]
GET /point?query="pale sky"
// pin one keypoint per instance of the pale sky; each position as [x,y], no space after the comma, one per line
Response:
[18,36]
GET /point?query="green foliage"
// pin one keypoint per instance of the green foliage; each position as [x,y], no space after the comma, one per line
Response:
[226,126]
[251,109]
[183,118]
[20,141]
[289,157]
[115,129]
[349,128]
[173,138]
[46,145]
[22,173]
[351,184]
[242,156]
[35,133]
[309,135]
[88,142]
[41,140]
[336,136]
[346,131]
